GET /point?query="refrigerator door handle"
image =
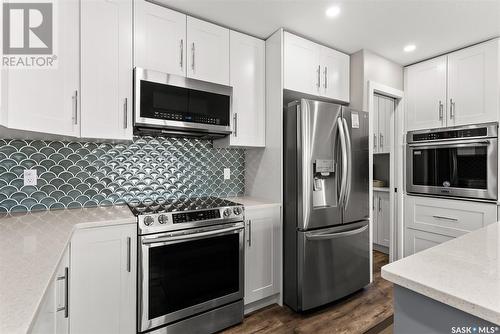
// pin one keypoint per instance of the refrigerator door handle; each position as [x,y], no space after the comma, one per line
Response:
[349,162]
[326,236]
[343,149]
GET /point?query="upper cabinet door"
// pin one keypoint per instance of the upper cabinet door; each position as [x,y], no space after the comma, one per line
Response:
[160,38]
[46,100]
[425,90]
[207,51]
[335,74]
[385,110]
[106,69]
[247,59]
[302,70]
[473,84]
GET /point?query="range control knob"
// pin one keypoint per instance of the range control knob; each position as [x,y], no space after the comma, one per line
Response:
[162,219]
[148,220]
[227,212]
[237,210]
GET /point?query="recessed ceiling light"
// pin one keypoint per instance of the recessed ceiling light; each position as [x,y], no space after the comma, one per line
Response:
[410,48]
[333,11]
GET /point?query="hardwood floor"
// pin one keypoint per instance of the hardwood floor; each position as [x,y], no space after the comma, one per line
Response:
[367,311]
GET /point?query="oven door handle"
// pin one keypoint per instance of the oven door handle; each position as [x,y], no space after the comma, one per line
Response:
[451,143]
[191,236]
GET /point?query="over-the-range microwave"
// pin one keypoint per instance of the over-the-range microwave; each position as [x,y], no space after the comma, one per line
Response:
[167,104]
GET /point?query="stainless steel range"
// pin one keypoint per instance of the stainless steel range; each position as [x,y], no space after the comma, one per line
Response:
[190,265]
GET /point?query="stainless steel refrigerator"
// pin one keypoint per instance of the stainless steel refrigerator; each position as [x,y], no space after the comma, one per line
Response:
[326,229]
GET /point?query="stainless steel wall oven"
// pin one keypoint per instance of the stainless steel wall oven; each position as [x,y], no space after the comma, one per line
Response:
[457,161]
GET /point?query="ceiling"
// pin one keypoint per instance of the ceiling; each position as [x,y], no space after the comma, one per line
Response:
[382,26]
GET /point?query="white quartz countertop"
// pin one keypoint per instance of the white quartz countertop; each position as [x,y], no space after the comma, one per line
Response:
[31,247]
[250,202]
[463,273]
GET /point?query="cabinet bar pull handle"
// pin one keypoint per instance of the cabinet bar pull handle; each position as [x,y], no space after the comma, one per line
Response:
[326,76]
[445,218]
[192,53]
[65,308]
[235,126]
[128,253]
[181,63]
[75,107]
[440,110]
[452,109]
[379,204]
[319,76]
[125,113]
[374,141]
[249,233]
[381,140]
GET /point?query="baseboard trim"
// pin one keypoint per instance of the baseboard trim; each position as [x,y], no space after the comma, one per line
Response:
[257,305]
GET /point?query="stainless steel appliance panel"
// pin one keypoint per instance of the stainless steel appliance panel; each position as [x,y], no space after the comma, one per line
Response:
[318,131]
[187,306]
[456,161]
[356,206]
[332,263]
[208,322]
[178,126]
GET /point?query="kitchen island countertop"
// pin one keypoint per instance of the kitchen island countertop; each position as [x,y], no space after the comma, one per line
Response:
[463,273]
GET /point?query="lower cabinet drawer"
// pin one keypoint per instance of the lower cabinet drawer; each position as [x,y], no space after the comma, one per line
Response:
[447,217]
[416,241]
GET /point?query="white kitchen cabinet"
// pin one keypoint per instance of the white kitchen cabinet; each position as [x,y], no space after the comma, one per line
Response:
[106,69]
[159,38]
[53,313]
[248,123]
[473,84]
[383,109]
[335,74]
[262,252]
[302,72]
[459,88]
[417,240]
[314,69]
[444,217]
[425,93]
[46,100]
[381,218]
[207,51]
[103,280]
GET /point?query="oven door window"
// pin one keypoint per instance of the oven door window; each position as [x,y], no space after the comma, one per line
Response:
[167,102]
[188,273]
[458,167]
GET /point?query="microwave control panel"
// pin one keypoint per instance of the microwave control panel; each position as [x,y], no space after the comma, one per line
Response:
[172,116]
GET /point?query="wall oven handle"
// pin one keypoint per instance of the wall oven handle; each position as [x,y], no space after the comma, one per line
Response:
[191,236]
[327,236]
[451,142]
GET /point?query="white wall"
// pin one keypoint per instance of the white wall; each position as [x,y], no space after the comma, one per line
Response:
[366,66]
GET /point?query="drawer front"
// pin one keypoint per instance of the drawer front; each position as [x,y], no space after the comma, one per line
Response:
[416,241]
[447,217]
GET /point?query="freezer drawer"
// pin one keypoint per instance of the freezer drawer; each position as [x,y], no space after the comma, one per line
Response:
[332,263]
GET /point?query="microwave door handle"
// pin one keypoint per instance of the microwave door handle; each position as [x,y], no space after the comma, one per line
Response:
[190,236]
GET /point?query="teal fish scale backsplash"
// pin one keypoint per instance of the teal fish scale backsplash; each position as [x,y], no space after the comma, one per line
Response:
[87,174]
